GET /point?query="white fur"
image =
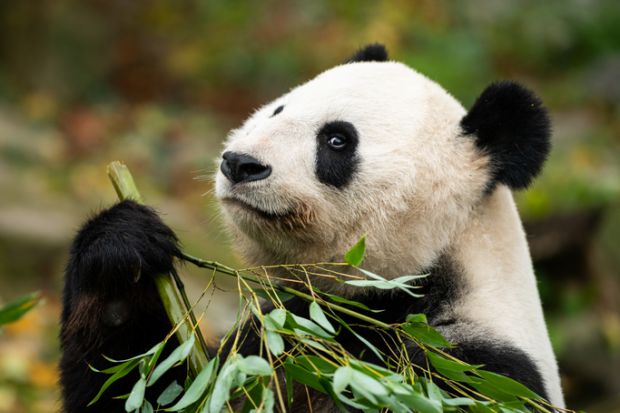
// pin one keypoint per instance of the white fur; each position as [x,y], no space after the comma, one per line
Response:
[503,294]
[419,191]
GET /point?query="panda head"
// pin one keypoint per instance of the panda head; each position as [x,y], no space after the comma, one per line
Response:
[373,147]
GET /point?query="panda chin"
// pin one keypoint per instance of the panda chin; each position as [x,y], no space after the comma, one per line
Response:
[239,204]
[265,228]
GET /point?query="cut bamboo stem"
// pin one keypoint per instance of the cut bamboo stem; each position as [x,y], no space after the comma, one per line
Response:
[171,292]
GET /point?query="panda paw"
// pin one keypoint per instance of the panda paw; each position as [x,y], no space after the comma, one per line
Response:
[119,247]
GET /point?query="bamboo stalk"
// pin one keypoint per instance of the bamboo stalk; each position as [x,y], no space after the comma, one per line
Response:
[171,291]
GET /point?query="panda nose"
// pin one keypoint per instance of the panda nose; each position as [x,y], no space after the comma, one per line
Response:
[238,167]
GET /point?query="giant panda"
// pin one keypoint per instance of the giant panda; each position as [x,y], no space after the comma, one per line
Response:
[368,147]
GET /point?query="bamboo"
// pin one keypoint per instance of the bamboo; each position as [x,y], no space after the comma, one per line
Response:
[170,288]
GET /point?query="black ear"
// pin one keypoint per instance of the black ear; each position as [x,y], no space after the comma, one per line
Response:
[375,52]
[511,125]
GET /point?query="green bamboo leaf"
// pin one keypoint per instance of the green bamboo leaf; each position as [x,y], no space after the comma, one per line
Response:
[317,314]
[355,404]
[355,255]
[307,376]
[278,315]
[128,367]
[382,285]
[516,406]
[493,391]
[368,383]
[425,334]
[155,357]
[416,318]
[375,370]
[275,343]
[268,401]
[142,368]
[458,401]
[16,309]
[395,405]
[352,303]
[149,352]
[136,397]
[254,366]
[396,283]
[254,393]
[169,394]
[146,407]
[223,384]
[315,363]
[288,378]
[303,376]
[419,403]
[397,387]
[309,326]
[179,354]
[379,282]
[342,378]
[403,279]
[314,344]
[259,398]
[368,344]
[361,395]
[482,407]
[110,370]
[198,386]
[275,319]
[507,385]
[434,392]
[451,369]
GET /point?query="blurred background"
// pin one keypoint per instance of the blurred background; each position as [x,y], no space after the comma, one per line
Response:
[159,83]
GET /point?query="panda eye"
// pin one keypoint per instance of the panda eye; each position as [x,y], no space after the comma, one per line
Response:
[337,142]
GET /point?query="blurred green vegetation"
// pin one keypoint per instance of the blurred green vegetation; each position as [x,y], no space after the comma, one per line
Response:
[159,83]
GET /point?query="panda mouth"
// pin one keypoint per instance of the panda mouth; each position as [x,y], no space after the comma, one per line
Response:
[251,208]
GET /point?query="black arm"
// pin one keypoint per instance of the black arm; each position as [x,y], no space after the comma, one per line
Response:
[110,303]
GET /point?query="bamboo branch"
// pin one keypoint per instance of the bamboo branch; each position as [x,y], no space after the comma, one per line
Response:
[169,286]
[223,269]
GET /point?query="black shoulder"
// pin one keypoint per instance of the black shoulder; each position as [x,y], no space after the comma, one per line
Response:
[503,359]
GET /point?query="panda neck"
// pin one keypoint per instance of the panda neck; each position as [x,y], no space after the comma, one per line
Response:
[500,293]
[492,250]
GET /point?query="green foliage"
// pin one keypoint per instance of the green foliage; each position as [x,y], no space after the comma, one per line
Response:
[15,310]
[305,352]
[355,255]
[381,283]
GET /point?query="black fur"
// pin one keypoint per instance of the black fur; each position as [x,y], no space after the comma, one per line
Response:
[278,110]
[504,359]
[110,303]
[510,123]
[336,167]
[374,52]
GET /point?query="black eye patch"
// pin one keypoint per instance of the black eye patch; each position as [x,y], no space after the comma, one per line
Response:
[278,110]
[336,157]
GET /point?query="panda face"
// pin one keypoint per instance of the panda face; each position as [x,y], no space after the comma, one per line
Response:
[364,148]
